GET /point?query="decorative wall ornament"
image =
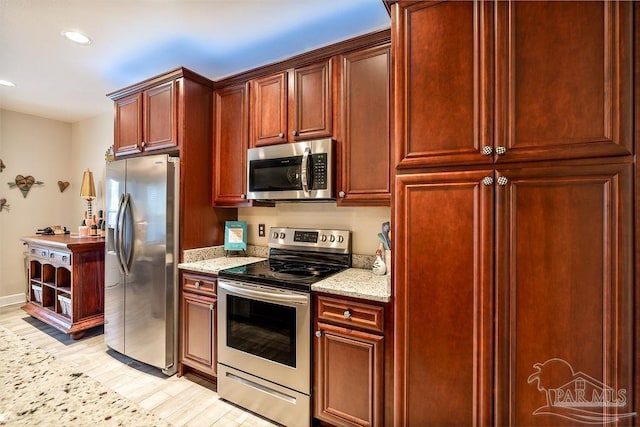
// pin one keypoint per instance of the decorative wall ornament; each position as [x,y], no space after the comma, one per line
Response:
[108,155]
[63,185]
[3,204]
[2,166]
[24,183]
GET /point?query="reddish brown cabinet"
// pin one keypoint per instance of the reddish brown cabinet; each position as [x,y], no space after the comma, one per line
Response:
[292,105]
[557,85]
[66,282]
[365,148]
[348,362]
[198,310]
[147,121]
[230,144]
[513,213]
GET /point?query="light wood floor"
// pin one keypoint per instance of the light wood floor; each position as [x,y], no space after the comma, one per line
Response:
[185,401]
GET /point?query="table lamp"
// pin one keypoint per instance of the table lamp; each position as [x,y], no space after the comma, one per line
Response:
[88,190]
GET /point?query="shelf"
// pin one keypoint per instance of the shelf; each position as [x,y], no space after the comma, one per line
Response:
[64,289]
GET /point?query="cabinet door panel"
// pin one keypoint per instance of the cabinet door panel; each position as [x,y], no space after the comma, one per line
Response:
[444,288]
[269,110]
[198,332]
[442,85]
[311,104]
[365,149]
[231,141]
[349,375]
[128,125]
[565,292]
[160,118]
[565,75]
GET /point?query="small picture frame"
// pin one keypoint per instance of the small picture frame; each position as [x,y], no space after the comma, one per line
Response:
[235,236]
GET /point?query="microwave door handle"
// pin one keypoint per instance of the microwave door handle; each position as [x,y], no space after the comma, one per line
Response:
[304,175]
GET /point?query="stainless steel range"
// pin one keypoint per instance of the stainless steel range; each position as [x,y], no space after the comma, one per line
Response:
[264,322]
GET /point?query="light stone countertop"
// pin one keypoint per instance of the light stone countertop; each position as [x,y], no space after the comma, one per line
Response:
[353,282]
[214,265]
[357,283]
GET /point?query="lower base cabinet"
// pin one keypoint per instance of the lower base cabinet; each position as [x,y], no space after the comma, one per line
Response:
[348,362]
[198,310]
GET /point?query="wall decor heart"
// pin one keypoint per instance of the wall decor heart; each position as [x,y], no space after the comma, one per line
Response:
[3,204]
[24,183]
[63,185]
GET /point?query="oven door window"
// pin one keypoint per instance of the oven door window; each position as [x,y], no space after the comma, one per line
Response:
[263,329]
[275,174]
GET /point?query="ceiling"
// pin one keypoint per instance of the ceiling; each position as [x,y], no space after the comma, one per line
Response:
[133,40]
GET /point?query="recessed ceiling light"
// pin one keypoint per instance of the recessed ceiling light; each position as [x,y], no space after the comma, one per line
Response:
[76,37]
[6,83]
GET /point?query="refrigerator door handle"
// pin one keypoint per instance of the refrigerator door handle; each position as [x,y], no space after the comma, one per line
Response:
[121,234]
[127,246]
[116,234]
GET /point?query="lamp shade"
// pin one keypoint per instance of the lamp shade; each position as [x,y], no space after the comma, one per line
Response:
[88,189]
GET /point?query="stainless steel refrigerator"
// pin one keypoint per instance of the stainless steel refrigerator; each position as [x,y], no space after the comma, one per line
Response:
[141,259]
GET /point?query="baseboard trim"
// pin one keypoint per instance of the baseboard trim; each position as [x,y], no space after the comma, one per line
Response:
[12,299]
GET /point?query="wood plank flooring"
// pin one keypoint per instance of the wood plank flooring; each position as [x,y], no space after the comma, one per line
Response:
[185,401]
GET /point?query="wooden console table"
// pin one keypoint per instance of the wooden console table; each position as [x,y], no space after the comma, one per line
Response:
[66,282]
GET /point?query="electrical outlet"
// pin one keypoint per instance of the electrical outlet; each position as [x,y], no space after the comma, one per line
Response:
[261,230]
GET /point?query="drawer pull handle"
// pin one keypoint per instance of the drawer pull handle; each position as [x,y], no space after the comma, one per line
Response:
[347,314]
[197,284]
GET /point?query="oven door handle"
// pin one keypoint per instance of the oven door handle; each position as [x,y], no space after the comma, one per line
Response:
[264,296]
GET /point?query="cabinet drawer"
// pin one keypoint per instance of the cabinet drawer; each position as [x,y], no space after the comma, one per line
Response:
[60,257]
[205,285]
[351,314]
[38,252]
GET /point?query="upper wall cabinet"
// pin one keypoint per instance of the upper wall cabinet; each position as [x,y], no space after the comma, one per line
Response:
[230,143]
[365,150]
[147,121]
[292,105]
[556,86]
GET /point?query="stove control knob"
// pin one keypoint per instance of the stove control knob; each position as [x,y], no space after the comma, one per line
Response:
[323,238]
[340,239]
[282,235]
[332,238]
[275,234]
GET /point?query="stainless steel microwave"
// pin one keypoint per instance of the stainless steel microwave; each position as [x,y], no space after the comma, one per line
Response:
[294,171]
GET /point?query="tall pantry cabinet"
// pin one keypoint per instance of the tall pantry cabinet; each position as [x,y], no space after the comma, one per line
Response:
[514,228]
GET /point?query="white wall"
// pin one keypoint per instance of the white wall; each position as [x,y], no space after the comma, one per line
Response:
[39,147]
[90,139]
[365,223]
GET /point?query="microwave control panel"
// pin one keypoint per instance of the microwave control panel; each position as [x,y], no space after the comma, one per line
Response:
[319,162]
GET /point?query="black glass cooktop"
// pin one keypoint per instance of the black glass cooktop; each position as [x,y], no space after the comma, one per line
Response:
[286,272]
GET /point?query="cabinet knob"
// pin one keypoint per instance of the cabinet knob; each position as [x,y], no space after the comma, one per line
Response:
[281,135]
[500,150]
[243,196]
[197,284]
[44,253]
[342,194]
[487,150]
[143,144]
[294,132]
[319,334]
[347,314]
[503,180]
[211,307]
[487,180]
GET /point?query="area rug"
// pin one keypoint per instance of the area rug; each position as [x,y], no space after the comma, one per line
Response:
[37,389]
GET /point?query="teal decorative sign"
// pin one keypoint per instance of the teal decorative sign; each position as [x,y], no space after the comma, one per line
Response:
[235,236]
